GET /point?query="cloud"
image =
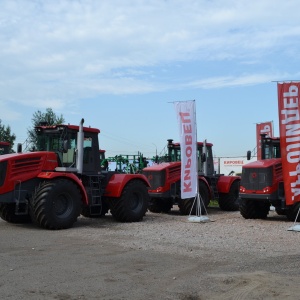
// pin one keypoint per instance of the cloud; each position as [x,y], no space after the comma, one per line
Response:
[246,79]
[242,80]
[60,52]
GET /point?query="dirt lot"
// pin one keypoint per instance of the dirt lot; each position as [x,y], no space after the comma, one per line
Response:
[163,257]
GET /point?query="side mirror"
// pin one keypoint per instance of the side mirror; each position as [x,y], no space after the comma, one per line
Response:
[248,155]
[66,146]
[203,157]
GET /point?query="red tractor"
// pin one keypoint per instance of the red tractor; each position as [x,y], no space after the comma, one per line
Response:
[4,148]
[262,184]
[63,179]
[165,179]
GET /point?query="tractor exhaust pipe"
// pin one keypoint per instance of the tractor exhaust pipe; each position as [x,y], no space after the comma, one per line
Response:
[80,140]
[170,142]
[205,162]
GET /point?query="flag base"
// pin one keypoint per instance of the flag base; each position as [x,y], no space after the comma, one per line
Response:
[294,228]
[198,219]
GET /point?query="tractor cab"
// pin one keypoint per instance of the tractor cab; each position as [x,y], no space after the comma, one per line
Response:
[64,141]
[270,147]
[204,155]
[4,148]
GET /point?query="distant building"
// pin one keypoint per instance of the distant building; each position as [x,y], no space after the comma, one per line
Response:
[231,165]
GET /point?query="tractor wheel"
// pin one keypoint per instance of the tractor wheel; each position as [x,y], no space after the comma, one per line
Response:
[133,203]
[250,209]
[85,211]
[247,208]
[291,213]
[56,204]
[188,206]
[7,213]
[263,210]
[229,201]
[280,211]
[160,205]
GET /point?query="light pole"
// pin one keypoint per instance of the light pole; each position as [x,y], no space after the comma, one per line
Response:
[155,149]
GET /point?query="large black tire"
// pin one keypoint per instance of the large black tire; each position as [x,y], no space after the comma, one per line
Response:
[56,204]
[229,202]
[292,212]
[160,205]
[188,206]
[280,211]
[7,213]
[133,203]
[251,209]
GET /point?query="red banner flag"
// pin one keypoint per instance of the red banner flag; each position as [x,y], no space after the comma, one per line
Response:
[186,116]
[262,128]
[289,127]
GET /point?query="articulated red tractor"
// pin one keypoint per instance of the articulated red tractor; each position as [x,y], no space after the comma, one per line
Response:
[63,179]
[4,148]
[165,181]
[262,184]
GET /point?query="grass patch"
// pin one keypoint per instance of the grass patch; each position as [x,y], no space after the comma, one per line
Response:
[213,203]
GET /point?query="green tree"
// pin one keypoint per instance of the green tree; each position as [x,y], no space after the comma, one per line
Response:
[48,118]
[6,135]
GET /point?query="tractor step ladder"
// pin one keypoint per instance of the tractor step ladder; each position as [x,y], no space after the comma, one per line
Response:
[95,195]
[20,200]
[213,183]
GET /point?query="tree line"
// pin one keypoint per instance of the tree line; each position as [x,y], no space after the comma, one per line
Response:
[49,117]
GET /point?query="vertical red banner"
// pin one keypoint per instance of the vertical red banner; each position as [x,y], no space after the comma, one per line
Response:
[289,127]
[262,128]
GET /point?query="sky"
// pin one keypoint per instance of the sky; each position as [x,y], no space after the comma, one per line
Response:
[120,65]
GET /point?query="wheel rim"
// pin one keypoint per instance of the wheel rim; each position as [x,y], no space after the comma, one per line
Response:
[63,205]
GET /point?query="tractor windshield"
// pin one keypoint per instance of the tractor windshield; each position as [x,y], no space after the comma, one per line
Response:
[51,143]
[175,153]
[62,142]
[55,140]
[4,148]
[271,149]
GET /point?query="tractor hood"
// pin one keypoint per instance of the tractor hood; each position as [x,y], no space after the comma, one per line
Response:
[263,163]
[162,166]
[20,167]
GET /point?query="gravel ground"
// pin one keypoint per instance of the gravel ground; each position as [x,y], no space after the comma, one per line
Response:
[162,257]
